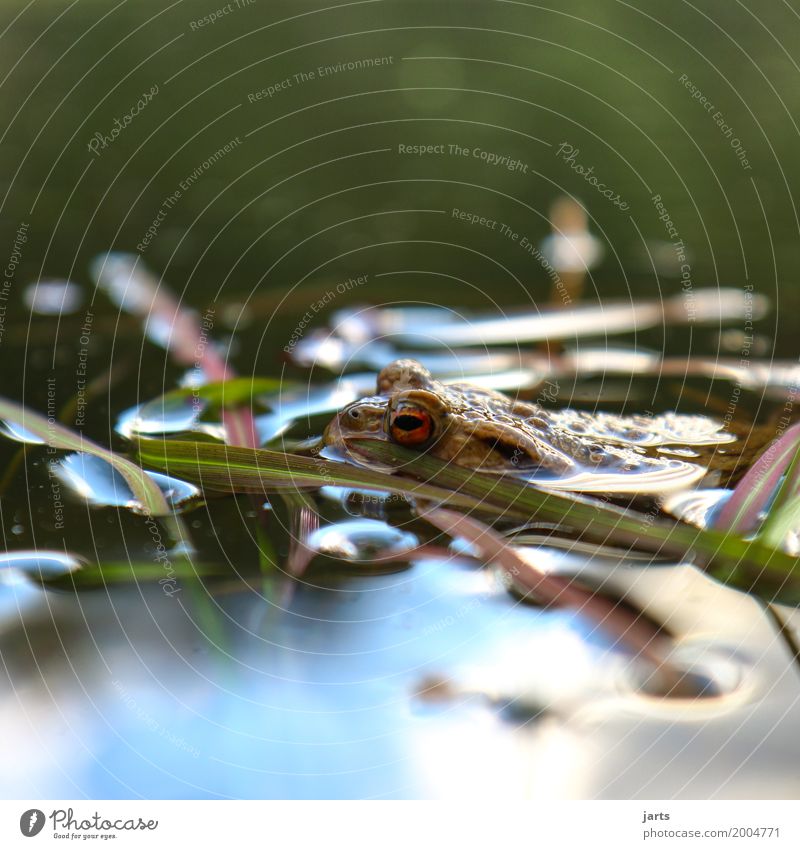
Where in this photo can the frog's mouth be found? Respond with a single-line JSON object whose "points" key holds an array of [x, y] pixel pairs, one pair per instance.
{"points": [[359, 421]]}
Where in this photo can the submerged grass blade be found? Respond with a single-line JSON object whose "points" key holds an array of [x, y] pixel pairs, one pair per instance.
{"points": [[57, 436], [749, 565], [303, 521]]}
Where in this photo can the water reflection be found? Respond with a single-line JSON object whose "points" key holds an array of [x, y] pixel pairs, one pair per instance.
{"points": [[217, 694], [315, 705], [92, 479], [43, 564], [697, 507], [366, 540]]}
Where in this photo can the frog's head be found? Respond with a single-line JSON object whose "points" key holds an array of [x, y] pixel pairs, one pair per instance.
{"points": [[408, 410], [457, 423]]}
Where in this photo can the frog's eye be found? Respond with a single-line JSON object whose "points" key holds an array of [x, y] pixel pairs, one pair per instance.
{"points": [[410, 425]]}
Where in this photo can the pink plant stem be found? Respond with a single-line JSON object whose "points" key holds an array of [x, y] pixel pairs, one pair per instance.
{"points": [[634, 632], [138, 291], [186, 339], [752, 494]]}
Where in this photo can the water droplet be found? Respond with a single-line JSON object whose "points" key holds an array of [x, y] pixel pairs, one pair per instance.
{"points": [[361, 539], [360, 502], [162, 416]]}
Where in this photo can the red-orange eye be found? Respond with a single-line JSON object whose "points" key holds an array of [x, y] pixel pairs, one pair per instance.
{"points": [[410, 425]]}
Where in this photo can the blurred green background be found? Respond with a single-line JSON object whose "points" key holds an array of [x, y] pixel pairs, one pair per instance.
{"points": [[316, 189]]}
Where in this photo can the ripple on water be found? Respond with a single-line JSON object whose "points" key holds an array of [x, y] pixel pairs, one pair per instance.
{"points": [[696, 507], [652, 479]]}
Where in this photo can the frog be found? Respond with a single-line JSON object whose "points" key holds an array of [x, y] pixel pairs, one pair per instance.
{"points": [[485, 430]]}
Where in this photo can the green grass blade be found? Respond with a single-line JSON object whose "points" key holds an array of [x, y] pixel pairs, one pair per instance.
{"points": [[233, 469], [225, 394], [57, 436], [748, 565]]}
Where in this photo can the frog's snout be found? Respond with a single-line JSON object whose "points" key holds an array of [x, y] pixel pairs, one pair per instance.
{"points": [[358, 420]]}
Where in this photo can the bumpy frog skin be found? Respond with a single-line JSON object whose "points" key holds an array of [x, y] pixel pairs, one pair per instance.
{"points": [[482, 429]]}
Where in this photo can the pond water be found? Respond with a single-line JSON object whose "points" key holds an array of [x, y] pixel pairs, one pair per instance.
{"points": [[278, 171]]}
